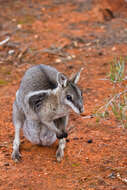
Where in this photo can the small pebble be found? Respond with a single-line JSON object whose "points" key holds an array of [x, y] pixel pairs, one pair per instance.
{"points": [[58, 61], [114, 48], [89, 50], [100, 53], [87, 159], [11, 51], [6, 164], [73, 56], [36, 36], [75, 138], [70, 67], [90, 141], [102, 27], [19, 26], [69, 57], [67, 140], [13, 20], [7, 154], [88, 44], [75, 44], [112, 176]]}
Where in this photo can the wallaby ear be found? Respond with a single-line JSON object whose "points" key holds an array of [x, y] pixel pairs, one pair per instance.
{"points": [[36, 99], [62, 80], [75, 78]]}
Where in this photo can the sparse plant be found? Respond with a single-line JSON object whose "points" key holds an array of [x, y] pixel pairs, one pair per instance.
{"points": [[117, 70], [117, 105]]}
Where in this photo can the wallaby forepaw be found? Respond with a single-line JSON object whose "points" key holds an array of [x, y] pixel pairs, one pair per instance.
{"points": [[59, 155], [16, 156], [62, 135]]}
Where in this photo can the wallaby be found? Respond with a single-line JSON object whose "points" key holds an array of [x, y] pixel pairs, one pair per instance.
{"points": [[42, 107]]}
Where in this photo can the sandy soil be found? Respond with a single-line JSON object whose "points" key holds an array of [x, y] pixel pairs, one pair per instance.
{"points": [[66, 34]]}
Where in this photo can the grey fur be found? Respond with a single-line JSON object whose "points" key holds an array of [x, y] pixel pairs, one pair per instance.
{"points": [[42, 105]]}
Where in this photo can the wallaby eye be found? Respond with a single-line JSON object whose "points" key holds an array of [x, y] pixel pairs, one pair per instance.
{"points": [[69, 98]]}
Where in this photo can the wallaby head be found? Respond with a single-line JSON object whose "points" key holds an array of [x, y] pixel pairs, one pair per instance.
{"points": [[67, 91], [71, 94]]}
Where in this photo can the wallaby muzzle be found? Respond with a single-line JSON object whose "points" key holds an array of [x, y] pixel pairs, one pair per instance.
{"points": [[81, 110]]}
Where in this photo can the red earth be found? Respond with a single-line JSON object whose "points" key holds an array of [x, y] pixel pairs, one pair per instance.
{"points": [[68, 35]]}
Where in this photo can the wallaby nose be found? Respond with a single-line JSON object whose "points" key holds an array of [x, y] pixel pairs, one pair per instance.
{"points": [[81, 109]]}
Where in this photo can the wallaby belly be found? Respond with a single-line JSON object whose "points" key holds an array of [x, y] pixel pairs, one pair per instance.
{"points": [[38, 133]]}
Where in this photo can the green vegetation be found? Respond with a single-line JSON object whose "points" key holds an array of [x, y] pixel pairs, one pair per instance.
{"points": [[117, 70], [75, 164], [3, 82], [27, 19], [117, 104]]}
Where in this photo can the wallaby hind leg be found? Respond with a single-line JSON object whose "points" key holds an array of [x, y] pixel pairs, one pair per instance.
{"points": [[18, 120], [61, 123]]}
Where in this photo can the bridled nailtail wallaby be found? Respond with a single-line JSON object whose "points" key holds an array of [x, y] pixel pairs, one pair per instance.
{"points": [[42, 105]]}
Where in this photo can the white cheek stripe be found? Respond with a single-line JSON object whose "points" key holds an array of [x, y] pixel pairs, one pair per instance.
{"points": [[72, 106]]}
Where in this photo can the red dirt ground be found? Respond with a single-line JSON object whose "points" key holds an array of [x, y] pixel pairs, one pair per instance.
{"points": [[66, 34]]}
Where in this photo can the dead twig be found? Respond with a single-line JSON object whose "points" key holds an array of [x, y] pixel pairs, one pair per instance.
{"points": [[55, 51], [70, 129], [4, 41], [13, 44], [3, 145], [88, 116], [124, 180], [111, 100], [20, 55]]}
